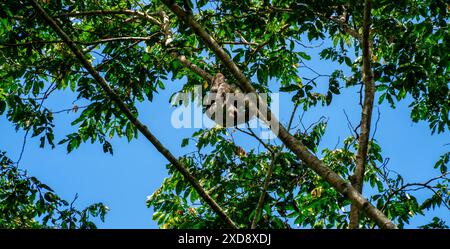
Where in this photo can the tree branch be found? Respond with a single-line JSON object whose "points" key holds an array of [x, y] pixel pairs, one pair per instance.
{"points": [[419, 185], [346, 27], [294, 145], [275, 155], [252, 134], [163, 24], [260, 204], [112, 39], [110, 12], [196, 69], [132, 118], [366, 114]]}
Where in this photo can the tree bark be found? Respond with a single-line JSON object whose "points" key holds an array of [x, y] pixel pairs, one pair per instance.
{"points": [[366, 114]]}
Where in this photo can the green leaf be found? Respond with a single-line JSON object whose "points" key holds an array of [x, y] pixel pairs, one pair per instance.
{"points": [[73, 85], [179, 187], [2, 107], [184, 142], [290, 88], [304, 55], [129, 131], [157, 215], [193, 197], [161, 85]]}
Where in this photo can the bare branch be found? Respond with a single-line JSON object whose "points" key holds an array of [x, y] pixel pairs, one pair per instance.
{"points": [[75, 108], [350, 125], [376, 122]]}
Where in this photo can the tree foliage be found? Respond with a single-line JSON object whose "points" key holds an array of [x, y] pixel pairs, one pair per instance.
{"points": [[25, 202], [136, 47]]}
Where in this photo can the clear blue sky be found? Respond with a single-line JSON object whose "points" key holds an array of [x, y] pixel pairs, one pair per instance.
{"points": [[124, 180]]}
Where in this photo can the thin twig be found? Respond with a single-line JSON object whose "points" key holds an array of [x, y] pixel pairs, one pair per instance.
{"points": [[376, 123], [251, 133]]}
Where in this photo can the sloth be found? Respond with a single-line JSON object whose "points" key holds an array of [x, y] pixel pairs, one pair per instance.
{"points": [[227, 106]]}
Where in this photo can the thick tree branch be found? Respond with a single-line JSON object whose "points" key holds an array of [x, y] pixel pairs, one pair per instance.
{"points": [[294, 145], [366, 114], [127, 112]]}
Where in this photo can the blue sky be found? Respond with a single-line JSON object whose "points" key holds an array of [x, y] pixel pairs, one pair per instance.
{"points": [[124, 180]]}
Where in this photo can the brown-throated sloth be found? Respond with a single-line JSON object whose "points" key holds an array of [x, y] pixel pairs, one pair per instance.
{"points": [[227, 106]]}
